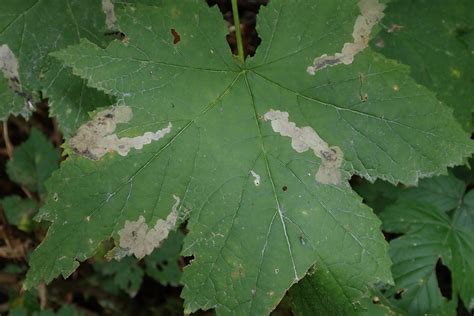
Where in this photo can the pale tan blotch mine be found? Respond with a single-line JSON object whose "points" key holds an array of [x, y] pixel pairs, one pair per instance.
{"points": [[305, 138], [110, 17], [256, 178], [95, 139], [9, 67], [371, 13], [137, 239]]}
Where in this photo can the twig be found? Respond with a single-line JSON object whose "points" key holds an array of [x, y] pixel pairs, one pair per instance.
{"points": [[6, 138], [43, 295]]}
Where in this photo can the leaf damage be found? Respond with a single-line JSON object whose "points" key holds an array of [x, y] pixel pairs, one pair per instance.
{"points": [[256, 178], [371, 14], [9, 67], [94, 139], [305, 138], [110, 17], [136, 239]]}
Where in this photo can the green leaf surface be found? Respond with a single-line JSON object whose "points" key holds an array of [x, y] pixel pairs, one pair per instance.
{"points": [[65, 310], [432, 36], [126, 273], [33, 162], [192, 132], [32, 29], [19, 211], [430, 235], [10, 102], [443, 192], [465, 212], [377, 195], [378, 305]]}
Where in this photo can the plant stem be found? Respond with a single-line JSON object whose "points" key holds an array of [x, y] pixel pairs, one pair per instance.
{"points": [[238, 35], [6, 138]]}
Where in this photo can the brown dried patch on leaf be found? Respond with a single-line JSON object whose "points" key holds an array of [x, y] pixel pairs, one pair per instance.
{"points": [[9, 67], [305, 138], [95, 139], [371, 14], [137, 239]]}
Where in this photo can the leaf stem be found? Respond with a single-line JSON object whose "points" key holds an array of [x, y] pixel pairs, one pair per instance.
{"points": [[238, 34]]}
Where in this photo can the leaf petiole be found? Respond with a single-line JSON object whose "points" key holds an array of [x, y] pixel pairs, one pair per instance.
{"points": [[238, 34]]}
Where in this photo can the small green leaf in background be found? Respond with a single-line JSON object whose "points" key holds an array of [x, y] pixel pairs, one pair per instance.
{"points": [[434, 37], [377, 195], [443, 192], [65, 310], [33, 162], [19, 212], [431, 232], [127, 274], [162, 264]]}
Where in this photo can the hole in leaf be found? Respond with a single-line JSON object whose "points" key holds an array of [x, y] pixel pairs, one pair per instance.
{"points": [[391, 236], [176, 36], [443, 275], [285, 188], [187, 260], [376, 300], [399, 293], [116, 34]]}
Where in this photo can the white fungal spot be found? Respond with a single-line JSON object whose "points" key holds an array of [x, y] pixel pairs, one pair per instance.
{"points": [[305, 138], [110, 18], [371, 13], [9, 67], [137, 239], [256, 178], [95, 139]]}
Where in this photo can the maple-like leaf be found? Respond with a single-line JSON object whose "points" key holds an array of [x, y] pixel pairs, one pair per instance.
{"points": [[258, 155], [431, 234]]}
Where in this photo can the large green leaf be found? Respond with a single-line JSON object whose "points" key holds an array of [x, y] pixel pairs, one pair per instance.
{"points": [[196, 132], [32, 29], [430, 235], [432, 37]]}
